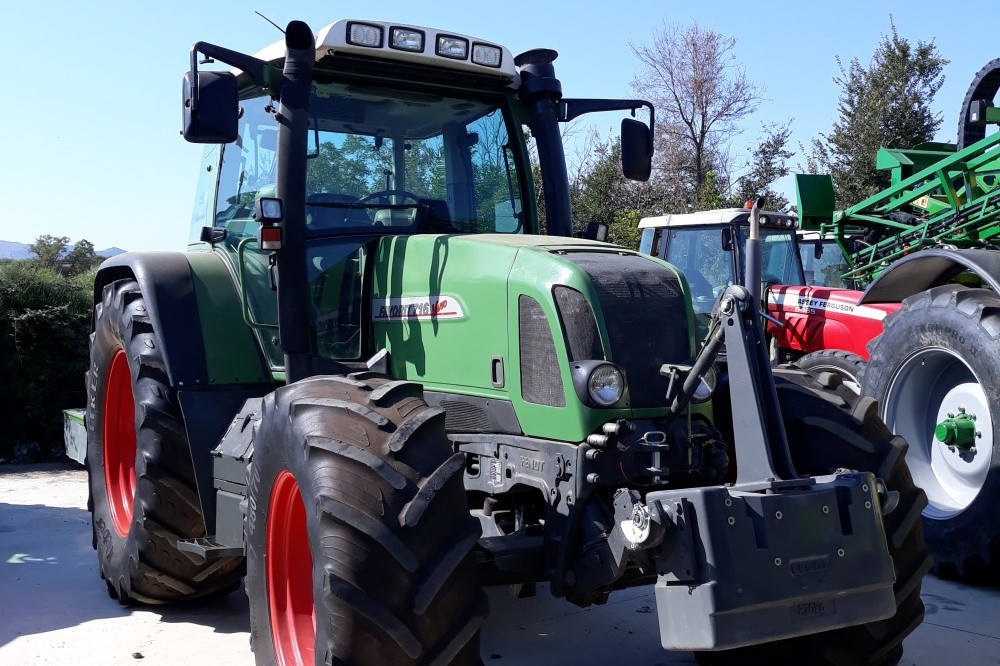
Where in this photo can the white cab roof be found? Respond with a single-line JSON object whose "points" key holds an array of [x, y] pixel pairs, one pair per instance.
{"points": [[707, 217], [333, 39]]}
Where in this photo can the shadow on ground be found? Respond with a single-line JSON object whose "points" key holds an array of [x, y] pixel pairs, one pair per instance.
{"points": [[49, 579]]}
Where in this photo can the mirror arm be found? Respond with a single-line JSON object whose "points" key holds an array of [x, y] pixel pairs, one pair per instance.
{"points": [[574, 108], [262, 73], [680, 397]]}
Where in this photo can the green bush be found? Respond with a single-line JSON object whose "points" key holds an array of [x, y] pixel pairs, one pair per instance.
{"points": [[44, 326]]}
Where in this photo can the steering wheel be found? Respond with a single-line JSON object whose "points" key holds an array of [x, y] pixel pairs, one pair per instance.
{"points": [[385, 194]]}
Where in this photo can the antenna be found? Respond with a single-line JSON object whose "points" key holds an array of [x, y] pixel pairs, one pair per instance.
{"points": [[269, 21]]}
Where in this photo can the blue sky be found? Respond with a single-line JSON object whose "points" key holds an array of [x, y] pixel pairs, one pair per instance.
{"points": [[91, 146]]}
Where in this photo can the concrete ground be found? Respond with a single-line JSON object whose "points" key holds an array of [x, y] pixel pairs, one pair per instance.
{"points": [[54, 608]]}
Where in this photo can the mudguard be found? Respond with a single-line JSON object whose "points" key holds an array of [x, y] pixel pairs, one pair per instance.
{"points": [[194, 307], [930, 268], [213, 360]]}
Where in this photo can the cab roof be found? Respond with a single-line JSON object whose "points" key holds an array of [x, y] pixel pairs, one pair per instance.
{"points": [[336, 38], [718, 217]]}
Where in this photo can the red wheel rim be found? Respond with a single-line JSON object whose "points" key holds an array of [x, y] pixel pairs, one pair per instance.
{"points": [[119, 442], [289, 575]]}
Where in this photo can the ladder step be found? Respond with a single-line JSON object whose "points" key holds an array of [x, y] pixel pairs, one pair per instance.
{"points": [[209, 548]]}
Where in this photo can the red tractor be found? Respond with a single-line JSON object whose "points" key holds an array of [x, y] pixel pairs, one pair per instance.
{"points": [[922, 336], [818, 327]]}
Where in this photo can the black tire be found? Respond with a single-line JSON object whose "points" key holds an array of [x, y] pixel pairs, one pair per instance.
{"points": [[937, 355], [849, 366], [143, 494], [384, 518], [829, 427], [985, 85]]}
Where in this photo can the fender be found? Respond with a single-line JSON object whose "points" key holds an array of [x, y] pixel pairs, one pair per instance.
{"points": [[930, 268], [213, 360], [192, 300]]}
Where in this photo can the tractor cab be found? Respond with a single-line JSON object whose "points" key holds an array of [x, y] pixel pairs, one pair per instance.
{"points": [[709, 248], [391, 132]]}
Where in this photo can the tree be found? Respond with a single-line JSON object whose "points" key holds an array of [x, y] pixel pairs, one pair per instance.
{"points": [[768, 162], [80, 259], [885, 104], [701, 94], [601, 193], [49, 250], [51, 253]]}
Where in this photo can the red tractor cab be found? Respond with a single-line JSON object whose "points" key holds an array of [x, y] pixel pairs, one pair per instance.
{"points": [[812, 318]]}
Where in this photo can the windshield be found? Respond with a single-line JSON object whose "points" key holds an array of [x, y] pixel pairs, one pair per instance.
{"points": [[385, 161], [826, 270], [709, 267]]}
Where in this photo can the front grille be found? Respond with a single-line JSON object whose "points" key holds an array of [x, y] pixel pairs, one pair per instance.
{"points": [[579, 326], [541, 379], [646, 318]]}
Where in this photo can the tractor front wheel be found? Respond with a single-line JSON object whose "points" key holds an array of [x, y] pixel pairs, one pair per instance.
{"points": [[849, 366], [359, 537]]}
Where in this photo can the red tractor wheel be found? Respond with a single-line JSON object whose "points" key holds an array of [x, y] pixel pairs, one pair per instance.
{"points": [[143, 494], [359, 537], [119, 442], [289, 575]]}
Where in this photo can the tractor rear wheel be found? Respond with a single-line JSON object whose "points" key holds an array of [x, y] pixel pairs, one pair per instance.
{"points": [[143, 495], [936, 374], [830, 427], [359, 536]]}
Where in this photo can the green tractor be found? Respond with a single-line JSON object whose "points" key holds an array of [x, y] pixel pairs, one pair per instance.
{"points": [[371, 386]]}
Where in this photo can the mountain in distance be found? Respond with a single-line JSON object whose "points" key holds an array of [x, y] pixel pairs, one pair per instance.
{"points": [[12, 250]]}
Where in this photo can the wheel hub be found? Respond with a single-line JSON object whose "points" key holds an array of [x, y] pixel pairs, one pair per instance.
{"points": [[937, 403], [958, 431]]}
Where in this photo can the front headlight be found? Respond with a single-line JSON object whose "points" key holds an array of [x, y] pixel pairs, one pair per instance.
{"points": [[598, 383], [606, 385]]}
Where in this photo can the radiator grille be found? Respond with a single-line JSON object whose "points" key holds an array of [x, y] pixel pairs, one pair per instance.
{"points": [[646, 318], [577, 317], [541, 379]]}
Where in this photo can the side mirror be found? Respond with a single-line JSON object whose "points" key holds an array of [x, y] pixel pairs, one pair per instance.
{"points": [[597, 231], [818, 249], [727, 239], [637, 150], [211, 108]]}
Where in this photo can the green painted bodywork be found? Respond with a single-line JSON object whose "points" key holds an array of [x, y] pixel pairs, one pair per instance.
{"points": [[480, 276], [946, 198], [486, 275], [231, 351]]}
